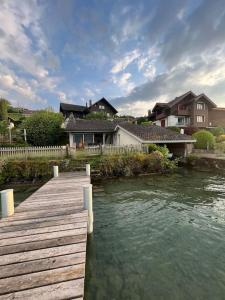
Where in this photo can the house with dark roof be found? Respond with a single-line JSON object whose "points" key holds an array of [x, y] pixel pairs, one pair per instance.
{"points": [[94, 132], [80, 111], [186, 110]]}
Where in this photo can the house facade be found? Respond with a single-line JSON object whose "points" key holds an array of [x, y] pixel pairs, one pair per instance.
{"points": [[94, 132], [80, 111], [188, 110]]}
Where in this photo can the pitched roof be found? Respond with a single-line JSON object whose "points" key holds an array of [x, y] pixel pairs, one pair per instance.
{"points": [[180, 98], [72, 107], [81, 125], [107, 102], [154, 133]]}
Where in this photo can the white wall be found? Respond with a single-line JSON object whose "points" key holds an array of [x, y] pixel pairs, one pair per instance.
{"points": [[122, 138]]}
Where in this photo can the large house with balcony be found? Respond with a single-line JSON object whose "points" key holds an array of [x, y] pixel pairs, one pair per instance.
{"points": [[188, 110], [80, 111]]}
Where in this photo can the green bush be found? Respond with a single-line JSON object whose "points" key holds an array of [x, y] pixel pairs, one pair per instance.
{"points": [[220, 147], [44, 128], [204, 140], [173, 128], [220, 138], [217, 131], [163, 149], [134, 164]]}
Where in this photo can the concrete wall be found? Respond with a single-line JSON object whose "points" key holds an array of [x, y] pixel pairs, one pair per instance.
{"points": [[122, 138]]}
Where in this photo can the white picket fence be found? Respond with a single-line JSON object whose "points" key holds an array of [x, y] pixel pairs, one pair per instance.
{"points": [[112, 149], [26, 152]]}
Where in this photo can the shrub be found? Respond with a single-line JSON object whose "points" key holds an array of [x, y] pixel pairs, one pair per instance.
{"points": [[163, 149], [217, 131], [44, 128], [173, 128], [220, 147], [205, 140], [220, 138], [134, 164]]}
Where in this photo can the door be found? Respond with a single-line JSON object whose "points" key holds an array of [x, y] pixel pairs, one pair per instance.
{"points": [[163, 123]]}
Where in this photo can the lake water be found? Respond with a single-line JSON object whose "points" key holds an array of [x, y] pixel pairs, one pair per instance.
{"points": [[158, 237]]}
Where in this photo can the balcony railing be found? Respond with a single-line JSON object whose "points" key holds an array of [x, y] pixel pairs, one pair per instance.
{"points": [[183, 112]]}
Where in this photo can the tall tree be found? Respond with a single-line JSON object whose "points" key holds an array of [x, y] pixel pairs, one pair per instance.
{"points": [[4, 104]]}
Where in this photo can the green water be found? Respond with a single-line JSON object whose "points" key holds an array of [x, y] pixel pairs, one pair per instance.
{"points": [[159, 237]]}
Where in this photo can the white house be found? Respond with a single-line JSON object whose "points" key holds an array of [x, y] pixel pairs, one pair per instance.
{"points": [[94, 132]]}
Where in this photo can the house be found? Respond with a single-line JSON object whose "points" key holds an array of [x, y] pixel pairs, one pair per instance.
{"points": [[80, 111], [188, 110], [95, 132]]}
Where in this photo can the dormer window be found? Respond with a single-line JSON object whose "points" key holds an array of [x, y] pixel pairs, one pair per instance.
{"points": [[200, 106]]}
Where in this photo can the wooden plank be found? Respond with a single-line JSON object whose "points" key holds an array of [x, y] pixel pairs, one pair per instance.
{"points": [[42, 253], [29, 231], [64, 290], [14, 222], [42, 264], [43, 224], [42, 244], [38, 279]]}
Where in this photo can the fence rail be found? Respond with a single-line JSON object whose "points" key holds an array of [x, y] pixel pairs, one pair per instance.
{"points": [[112, 149], [26, 152]]}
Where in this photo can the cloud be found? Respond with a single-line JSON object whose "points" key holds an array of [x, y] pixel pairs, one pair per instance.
{"points": [[123, 81], [125, 61]]}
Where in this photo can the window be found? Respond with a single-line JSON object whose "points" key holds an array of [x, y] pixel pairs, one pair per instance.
{"points": [[88, 138], [200, 106], [200, 119], [78, 138], [180, 120], [101, 107]]}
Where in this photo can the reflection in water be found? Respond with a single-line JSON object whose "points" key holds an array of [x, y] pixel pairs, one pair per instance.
{"points": [[158, 237]]}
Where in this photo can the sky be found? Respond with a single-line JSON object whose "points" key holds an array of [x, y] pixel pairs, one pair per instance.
{"points": [[133, 53]]}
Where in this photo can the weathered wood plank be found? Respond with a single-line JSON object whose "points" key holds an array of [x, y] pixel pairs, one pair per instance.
{"points": [[32, 280], [42, 244], [42, 264], [59, 291], [62, 221], [9, 222], [29, 231], [42, 253]]}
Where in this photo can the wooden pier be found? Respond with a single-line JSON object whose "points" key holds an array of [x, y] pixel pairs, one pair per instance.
{"points": [[43, 245]]}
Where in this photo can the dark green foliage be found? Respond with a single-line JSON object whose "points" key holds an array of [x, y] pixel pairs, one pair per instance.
{"points": [[134, 164], [96, 116], [3, 127], [44, 128], [141, 120], [162, 149], [109, 165], [205, 140], [4, 109], [217, 131], [173, 128]]}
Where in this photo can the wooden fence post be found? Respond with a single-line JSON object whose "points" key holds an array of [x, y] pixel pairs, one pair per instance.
{"points": [[88, 204], [7, 202]]}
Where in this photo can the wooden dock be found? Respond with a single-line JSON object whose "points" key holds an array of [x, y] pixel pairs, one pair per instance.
{"points": [[43, 245]]}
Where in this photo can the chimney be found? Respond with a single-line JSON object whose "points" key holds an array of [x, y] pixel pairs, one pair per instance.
{"points": [[149, 112], [90, 103], [86, 104]]}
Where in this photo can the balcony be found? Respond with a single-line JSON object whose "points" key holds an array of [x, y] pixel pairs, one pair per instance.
{"points": [[183, 112]]}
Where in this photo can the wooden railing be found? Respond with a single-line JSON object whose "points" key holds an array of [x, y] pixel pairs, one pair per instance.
{"points": [[112, 149], [26, 152]]}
